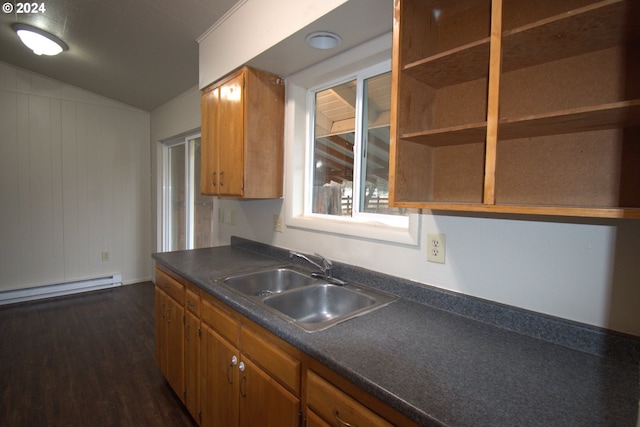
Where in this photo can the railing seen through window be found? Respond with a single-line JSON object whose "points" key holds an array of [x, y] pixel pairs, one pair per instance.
{"points": [[351, 148]]}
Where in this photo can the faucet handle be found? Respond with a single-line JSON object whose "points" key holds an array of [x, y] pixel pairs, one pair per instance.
{"points": [[327, 263]]}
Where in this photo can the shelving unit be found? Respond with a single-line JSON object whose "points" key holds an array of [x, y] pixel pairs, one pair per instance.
{"points": [[517, 107]]}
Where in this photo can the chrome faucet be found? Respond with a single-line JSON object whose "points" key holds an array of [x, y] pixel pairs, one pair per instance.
{"points": [[325, 269]]}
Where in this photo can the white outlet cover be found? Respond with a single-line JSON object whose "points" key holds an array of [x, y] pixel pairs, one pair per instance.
{"points": [[436, 247]]}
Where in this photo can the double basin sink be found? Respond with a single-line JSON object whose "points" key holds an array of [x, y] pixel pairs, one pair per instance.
{"points": [[311, 303]]}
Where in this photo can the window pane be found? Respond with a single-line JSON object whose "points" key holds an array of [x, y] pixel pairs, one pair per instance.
{"points": [[176, 196], [374, 193], [333, 150]]}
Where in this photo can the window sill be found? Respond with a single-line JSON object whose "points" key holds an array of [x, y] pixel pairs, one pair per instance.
{"points": [[368, 230]]}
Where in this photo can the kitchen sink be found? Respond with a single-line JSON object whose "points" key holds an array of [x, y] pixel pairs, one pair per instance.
{"points": [[310, 303], [268, 282], [319, 303]]}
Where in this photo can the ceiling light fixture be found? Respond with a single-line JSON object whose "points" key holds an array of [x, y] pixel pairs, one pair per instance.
{"points": [[323, 40], [39, 41]]}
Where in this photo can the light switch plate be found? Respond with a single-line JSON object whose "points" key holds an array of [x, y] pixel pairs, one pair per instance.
{"points": [[277, 223]]}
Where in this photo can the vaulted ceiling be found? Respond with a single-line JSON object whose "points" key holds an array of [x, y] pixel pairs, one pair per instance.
{"points": [[140, 52], [145, 52]]}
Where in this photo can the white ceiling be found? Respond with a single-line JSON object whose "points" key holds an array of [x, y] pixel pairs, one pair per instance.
{"points": [[144, 52]]}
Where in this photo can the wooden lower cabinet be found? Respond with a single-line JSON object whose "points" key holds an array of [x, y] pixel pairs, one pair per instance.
{"points": [[238, 389], [170, 331], [331, 400], [265, 402], [219, 380], [334, 406], [192, 352]]}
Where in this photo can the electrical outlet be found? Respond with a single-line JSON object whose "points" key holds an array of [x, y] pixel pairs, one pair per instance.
{"points": [[220, 215], [436, 247], [277, 223], [232, 217], [105, 256]]}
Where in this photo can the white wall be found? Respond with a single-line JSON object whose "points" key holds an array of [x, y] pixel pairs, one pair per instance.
{"points": [[75, 179], [253, 27]]}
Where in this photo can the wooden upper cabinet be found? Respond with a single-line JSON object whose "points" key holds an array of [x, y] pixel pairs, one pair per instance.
{"points": [[210, 136], [526, 107], [243, 135]]}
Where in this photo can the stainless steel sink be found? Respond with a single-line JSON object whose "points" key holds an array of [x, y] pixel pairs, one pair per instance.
{"points": [[268, 282], [310, 303]]}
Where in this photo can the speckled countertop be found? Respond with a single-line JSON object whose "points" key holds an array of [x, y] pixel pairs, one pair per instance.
{"points": [[441, 367]]}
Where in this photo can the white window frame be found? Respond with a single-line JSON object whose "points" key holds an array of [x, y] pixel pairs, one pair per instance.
{"points": [[357, 216], [166, 184], [300, 88]]}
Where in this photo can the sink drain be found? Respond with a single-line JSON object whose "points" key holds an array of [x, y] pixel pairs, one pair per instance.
{"points": [[265, 293]]}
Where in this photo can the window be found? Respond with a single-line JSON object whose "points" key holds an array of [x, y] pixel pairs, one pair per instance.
{"points": [[188, 215], [350, 156], [370, 217]]}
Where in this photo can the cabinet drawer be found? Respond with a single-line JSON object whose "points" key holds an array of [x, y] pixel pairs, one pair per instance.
{"points": [[170, 286], [278, 363], [331, 403], [224, 323], [192, 302]]}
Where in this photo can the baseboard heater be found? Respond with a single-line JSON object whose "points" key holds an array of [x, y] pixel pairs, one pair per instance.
{"points": [[69, 288]]}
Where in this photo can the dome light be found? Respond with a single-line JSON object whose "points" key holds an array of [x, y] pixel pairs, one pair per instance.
{"points": [[323, 40], [39, 41]]}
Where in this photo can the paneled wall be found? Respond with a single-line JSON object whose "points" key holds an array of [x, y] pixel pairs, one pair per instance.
{"points": [[74, 183]]}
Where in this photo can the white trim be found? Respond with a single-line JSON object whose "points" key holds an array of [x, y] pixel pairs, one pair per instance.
{"points": [[184, 141], [221, 21], [50, 291]]}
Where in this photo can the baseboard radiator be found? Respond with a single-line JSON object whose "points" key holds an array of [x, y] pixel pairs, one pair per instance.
{"points": [[60, 289]]}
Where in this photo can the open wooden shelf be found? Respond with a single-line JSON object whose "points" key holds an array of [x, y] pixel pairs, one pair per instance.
{"points": [[540, 115], [587, 29], [459, 65], [454, 135], [607, 116]]}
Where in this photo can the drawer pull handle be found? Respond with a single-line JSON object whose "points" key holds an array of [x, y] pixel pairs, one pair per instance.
{"points": [[191, 305], [243, 381], [213, 178], [221, 178], [340, 420]]}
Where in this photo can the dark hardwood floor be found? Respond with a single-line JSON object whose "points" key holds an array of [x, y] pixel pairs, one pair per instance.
{"points": [[84, 360]]}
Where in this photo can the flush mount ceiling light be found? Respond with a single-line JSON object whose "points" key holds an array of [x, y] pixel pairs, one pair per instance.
{"points": [[39, 41], [323, 40]]}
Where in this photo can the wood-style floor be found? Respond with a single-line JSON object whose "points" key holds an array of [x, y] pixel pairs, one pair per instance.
{"points": [[84, 360]]}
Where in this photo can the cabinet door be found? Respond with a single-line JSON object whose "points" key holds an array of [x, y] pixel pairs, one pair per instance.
{"points": [[218, 381], [264, 402], [210, 134], [175, 347], [161, 330], [192, 363], [231, 145]]}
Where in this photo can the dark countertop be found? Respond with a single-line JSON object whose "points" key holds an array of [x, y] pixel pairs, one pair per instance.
{"points": [[436, 367]]}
